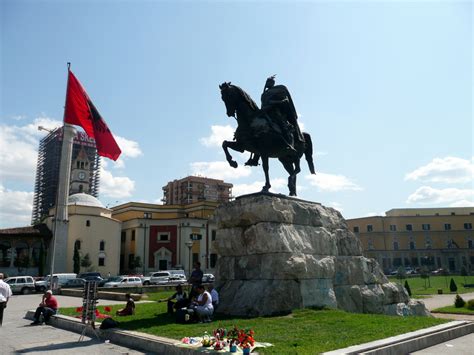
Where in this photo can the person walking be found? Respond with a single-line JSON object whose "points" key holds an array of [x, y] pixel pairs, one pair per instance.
{"points": [[5, 294]]}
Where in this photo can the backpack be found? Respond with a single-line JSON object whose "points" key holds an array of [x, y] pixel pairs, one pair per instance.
{"points": [[108, 323]]}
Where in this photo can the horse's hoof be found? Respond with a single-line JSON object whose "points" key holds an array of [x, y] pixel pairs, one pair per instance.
{"points": [[233, 164]]}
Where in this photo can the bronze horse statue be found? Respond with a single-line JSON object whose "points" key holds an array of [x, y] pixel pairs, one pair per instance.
{"points": [[259, 134]]}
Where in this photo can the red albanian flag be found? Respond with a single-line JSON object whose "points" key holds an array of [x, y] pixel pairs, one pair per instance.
{"points": [[81, 111]]}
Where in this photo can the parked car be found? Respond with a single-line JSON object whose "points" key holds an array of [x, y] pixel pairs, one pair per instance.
{"points": [[165, 276], [21, 284], [123, 281], [146, 279], [208, 278], [60, 279], [90, 276], [74, 283], [440, 271]]}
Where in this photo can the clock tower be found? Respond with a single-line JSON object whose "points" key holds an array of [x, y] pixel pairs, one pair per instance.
{"points": [[80, 174]]}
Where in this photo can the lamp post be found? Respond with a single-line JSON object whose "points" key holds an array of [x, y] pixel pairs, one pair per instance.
{"points": [[189, 244]]}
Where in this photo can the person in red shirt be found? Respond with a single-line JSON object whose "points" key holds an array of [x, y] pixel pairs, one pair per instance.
{"points": [[47, 307]]}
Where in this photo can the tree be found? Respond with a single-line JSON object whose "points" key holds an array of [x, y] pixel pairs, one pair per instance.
{"points": [[459, 302], [407, 287], [425, 274], [76, 260], [452, 286], [86, 261]]}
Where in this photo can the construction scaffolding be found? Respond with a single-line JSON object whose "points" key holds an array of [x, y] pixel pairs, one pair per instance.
{"points": [[47, 170]]}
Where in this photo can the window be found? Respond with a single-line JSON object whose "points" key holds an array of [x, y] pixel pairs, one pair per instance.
{"points": [[447, 226], [147, 215], [88, 223], [428, 243], [213, 235], [425, 227], [409, 227], [101, 261], [123, 237], [195, 236], [393, 228], [370, 243], [81, 188], [370, 228], [395, 245], [163, 237], [412, 245], [133, 235], [77, 244], [356, 229], [449, 243], [102, 245], [470, 244], [213, 260], [467, 225]]}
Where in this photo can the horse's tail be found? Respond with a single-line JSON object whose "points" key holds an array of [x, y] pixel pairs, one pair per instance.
{"points": [[308, 152]]}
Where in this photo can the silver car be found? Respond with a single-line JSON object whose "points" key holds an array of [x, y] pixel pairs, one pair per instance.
{"points": [[21, 284]]}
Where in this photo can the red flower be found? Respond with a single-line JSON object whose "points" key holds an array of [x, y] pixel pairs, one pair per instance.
{"points": [[108, 309], [78, 309]]}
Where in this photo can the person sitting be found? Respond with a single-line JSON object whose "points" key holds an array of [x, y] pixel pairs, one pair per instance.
{"points": [[203, 304], [180, 297], [214, 295], [129, 308], [47, 308]]}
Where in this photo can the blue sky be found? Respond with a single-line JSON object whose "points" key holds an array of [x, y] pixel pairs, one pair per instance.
{"points": [[383, 87]]}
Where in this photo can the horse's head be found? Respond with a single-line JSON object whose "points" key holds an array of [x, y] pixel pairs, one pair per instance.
{"points": [[229, 96], [236, 99]]}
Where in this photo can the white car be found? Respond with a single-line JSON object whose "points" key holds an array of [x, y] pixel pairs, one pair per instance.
{"points": [[123, 281]]}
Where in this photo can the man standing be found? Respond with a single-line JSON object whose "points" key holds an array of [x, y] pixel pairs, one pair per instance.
{"points": [[5, 294], [47, 307], [195, 280]]}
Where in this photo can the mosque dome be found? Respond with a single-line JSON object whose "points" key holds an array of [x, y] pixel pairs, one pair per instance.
{"points": [[82, 199]]}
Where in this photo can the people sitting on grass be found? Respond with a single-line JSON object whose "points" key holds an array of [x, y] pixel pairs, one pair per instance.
{"points": [[129, 308], [47, 308], [178, 300], [203, 305]]}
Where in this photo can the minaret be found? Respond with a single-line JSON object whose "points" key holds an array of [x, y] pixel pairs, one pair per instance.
{"points": [[60, 221]]}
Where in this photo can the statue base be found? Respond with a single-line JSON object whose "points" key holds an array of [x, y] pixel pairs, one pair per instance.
{"points": [[278, 253]]}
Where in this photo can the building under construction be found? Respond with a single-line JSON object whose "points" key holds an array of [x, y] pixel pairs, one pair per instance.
{"points": [[84, 170], [193, 189]]}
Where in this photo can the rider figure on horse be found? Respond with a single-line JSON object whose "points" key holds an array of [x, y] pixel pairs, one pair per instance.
{"points": [[278, 105]]}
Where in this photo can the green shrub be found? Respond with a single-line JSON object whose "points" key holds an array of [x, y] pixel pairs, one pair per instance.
{"points": [[407, 287], [459, 302], [452, 286], [470, 305]]}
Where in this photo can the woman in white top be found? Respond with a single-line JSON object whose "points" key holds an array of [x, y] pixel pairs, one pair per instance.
{"points": [[204, 308]]}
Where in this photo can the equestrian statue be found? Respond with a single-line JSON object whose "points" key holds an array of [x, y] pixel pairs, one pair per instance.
{"points": [[271, 131]]}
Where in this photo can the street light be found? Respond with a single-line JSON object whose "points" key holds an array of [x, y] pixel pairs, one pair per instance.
{"points": [[189, 244]]}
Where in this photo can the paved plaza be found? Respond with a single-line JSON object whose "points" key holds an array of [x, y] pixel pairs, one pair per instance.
{"points": [[18, 337]]}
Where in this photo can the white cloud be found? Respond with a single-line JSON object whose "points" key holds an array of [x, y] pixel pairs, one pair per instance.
{"points": [[130, 149], [449, 196], [278, 186], [218, 135], [331, 182], [115, 186], [15, 207], [449, 170], [219, 170]]}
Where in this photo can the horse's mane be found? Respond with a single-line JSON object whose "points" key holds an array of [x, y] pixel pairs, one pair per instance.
{"points": [[247, 98]]}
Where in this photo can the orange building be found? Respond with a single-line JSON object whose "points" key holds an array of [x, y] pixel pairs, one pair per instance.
{"points": [[194, 189], [435, 237]]}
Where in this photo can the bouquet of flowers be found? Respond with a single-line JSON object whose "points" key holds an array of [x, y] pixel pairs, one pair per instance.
{"points": [[246, 339]]}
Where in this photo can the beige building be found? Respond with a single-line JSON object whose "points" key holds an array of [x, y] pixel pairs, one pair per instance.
{"points": [[435, 237], [166, 236], [193, 189], [92, 228]]}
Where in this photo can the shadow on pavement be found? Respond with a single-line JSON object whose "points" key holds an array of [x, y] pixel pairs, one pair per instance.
{"points": [[50, 347]]}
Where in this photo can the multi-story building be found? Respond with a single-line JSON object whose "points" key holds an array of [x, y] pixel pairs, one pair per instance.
{"points": [[166, 236], [434, 237], [84, 170], [193, 189]]}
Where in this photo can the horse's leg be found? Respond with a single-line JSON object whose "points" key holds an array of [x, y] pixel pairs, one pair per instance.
{"points": [[267, 177], [235, 146], [288, 165]]}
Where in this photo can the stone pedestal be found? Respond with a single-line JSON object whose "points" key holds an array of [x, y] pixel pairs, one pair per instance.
{"points": [[278, 253]]}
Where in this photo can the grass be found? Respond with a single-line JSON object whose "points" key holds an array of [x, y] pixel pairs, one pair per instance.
{"points": [[418, 288], [454, 310], [305, 331]]}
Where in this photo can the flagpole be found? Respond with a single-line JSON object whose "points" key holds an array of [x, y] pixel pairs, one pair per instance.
{"points": [[60, 221]]}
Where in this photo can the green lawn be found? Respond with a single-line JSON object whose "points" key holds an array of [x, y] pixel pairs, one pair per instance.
{"points": [[418, 285], [304, 331], [454, 310]]}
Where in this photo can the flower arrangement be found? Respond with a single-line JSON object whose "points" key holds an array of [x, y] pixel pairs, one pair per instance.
{"points": [[246, 339]]}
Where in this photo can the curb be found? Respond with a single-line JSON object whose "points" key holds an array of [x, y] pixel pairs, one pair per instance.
{"points": [[410, 342], [126, 338]]}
